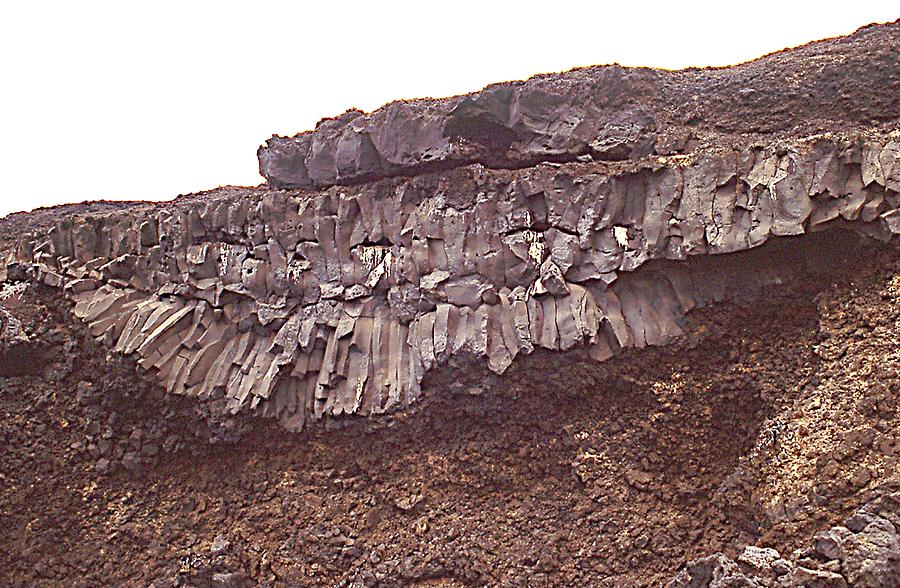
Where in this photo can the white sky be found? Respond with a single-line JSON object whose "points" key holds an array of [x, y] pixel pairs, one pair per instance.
{"points": [[145, 100]]}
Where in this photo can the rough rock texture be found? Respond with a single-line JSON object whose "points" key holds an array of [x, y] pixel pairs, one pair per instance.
{"points": [[773, 418], [863, 552], [302, 305], [340, 302], [606, 113], [632, 318]]}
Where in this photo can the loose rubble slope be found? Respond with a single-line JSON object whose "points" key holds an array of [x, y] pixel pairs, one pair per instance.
{"points": [[769, 421]]}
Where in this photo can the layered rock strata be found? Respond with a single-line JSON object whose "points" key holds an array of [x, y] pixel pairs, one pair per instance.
{"points": [[605, 113], [302, 305], [588, 209]]}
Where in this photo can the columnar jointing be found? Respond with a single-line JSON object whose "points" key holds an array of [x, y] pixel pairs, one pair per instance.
{"points": [[485, 227], [304, 305]]}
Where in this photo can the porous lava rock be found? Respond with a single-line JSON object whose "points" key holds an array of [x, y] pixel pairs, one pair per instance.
{"points": [[863, 552]]}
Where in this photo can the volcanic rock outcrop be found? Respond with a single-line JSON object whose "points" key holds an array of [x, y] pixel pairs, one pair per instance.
{"points": [[863, 552], [606, 113], [589, 209]]}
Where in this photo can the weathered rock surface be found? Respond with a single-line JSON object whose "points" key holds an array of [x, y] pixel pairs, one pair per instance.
{"points": [[300, 305], [606, 113], [864, 552], [752, 429], [765, 187], [340, 302]]}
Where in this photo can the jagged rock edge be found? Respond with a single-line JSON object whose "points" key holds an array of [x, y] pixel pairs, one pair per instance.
{"points": [[300, 306]]}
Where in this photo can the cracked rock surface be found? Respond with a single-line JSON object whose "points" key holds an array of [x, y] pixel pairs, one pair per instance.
{"points": [[298, 306], [302, 305], [605, 113], [773, 418], [575, 330]]}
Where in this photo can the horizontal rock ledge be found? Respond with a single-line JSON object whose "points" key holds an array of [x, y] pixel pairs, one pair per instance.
{"points": [[300, 306], [605, 113]]}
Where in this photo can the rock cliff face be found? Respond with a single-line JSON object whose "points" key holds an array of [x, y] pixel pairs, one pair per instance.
{"points": [[566, 211]]}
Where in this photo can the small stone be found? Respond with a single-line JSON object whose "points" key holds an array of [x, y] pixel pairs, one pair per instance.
{"points": [[760, 559], [429, 282], [407, 503], [859, 521], [131, 460], [552, 279], [219, 545], [639, 479], [229, 580], [102, 465], [105, 446], [16, 272], [860, 477], [781, 567], [330, 290], [808, 577], [355, 292], [170, 443], [828, 545]]}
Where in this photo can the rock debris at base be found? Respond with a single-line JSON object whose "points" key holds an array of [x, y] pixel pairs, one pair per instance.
{"points": [[575, 330], [863, 552]]}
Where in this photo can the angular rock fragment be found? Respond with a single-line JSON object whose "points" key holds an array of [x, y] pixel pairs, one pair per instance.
{"points": [[853, 554]]}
